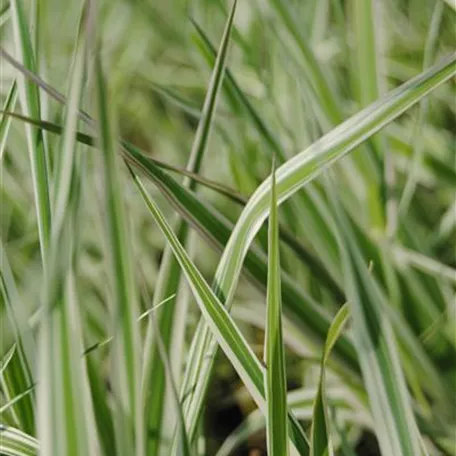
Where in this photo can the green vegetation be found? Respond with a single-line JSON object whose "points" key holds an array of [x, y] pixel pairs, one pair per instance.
{"points": [[227, 227]]}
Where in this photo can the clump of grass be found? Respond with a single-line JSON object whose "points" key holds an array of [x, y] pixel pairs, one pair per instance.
{"points": [[350, 290]]}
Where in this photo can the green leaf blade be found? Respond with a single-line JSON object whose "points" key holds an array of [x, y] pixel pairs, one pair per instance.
{"points": [[30, 102], [320, 443], [169, 275], [125, 347], [275, 376], [67, 422]]}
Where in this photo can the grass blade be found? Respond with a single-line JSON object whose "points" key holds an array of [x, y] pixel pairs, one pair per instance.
{"points": [[320, 441], [17, 398], [368, 87], [274, 353], [125, 347], [30, 102], [66, 421], [169, 275], [237, 98]]}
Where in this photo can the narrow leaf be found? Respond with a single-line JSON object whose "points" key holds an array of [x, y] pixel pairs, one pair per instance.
{"points": [[154, 366], [320, 443], [30, 103], [66, 422], [125, 346], [274, 354]]}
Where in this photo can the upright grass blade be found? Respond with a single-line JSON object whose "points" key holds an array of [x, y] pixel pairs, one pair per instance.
{"points": [[210, 102], [5, 121], [153, 380], [366, 19], [301, 169], [396, 429], [320, 440], [125, 347], [228, 335], [274, 353], [30, 103], [364, 28], [66, 422]]}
